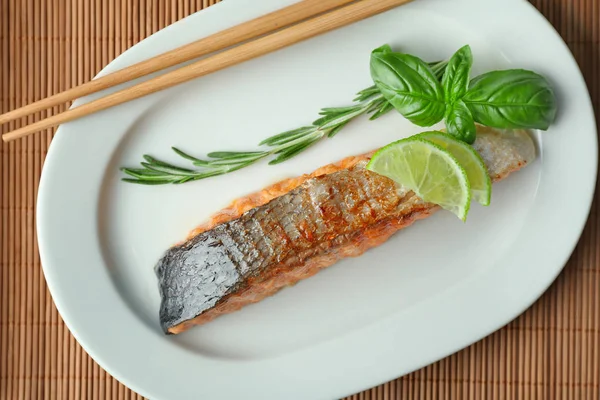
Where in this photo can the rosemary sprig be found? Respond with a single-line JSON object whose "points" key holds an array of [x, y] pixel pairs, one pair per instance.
{"points": [[282, 146]]}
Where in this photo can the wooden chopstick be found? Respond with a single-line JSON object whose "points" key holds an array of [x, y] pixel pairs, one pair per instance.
{"points": [[264, 45], [249, 30], [229, 37]]}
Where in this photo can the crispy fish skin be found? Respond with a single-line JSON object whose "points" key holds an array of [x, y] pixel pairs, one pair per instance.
{"points": [[294, 229]]}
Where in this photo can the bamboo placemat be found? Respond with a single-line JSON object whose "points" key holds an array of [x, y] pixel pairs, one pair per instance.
{"points": [[551, 352]]}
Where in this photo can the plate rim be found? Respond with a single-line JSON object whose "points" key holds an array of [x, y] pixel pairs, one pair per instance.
{"points": [[220, 10]]}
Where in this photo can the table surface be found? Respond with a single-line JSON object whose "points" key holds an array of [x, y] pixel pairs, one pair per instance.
{"points": [[552, 351]]}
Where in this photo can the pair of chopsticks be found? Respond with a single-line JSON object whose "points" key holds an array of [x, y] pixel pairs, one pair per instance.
{"points": [[266, 34]]}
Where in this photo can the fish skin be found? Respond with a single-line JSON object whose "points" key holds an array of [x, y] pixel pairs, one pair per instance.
{"points": [[294, 235]]}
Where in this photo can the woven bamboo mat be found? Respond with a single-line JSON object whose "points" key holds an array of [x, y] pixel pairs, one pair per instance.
{"points": [[551, 352]]}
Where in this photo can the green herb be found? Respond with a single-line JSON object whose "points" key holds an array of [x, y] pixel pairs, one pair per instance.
{"points": [[456, 78], [459, 122], [423, 93], [458, 118], [512, 99], [410, 85], [281, 147]]}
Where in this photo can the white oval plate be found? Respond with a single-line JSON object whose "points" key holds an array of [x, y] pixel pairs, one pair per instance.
{"points": [[428, 292]]}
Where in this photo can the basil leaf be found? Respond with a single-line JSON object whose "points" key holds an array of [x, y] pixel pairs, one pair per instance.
{"points": [[410, 85], [512, 99], [459, 122], [383, 49], [456, 77]]}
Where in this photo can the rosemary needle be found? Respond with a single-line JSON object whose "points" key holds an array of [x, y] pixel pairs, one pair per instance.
{"points": [[280, 147]]}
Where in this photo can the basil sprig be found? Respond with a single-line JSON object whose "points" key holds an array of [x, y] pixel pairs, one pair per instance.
{"points": [[509, 99]]}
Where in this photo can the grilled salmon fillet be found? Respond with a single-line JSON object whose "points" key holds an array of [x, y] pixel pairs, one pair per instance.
{"points": [[293, 229]]}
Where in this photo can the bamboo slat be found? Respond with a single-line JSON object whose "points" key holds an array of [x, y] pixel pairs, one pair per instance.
{"points": [[552, 351]]}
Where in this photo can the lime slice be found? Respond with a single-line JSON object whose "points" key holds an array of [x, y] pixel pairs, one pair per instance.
{"points": [[470, 160], [427, 169]]}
